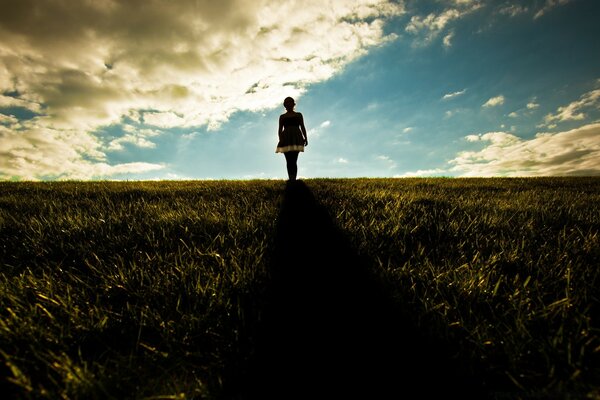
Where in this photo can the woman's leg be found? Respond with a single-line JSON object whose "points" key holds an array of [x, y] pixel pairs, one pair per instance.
{"points": [[291, 158]]}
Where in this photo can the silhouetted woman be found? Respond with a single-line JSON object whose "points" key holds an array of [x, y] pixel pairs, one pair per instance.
{"points": [[292, 137]]}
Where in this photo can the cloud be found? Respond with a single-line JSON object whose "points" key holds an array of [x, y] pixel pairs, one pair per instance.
{"points": [[427, 28], [83, 65], [573, 152], [316, 132], [573, 111], [135, 137], [8, 120], [9, 101], [35, 152], [549, 5], [524, 111], [422, 173], [373, 106], [390, 163], [342, 160], [539, 8], [431, 25], [512, 9], [408, 129], [494, 101], [453, 95], [447, 41], [167, 119]]}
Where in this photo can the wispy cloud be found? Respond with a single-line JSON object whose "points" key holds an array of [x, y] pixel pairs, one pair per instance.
{"points": [[316, 132], [135, 137], [538, 9], [573, 152], [387, 160], [83, 65], [167, 119], [9, 120], [447, 41], [512, 9], [574, 111], [453, 95], [549, 5], [427, 28], [494, 101], [422, 173], [11, 101], [35, 151]]}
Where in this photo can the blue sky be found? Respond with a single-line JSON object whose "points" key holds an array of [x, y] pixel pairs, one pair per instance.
{"points": [[193, 90]]}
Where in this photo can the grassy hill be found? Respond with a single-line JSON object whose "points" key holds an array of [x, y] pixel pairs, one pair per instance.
{"points": [[256, 289]]}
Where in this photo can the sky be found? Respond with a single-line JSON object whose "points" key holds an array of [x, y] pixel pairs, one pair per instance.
{"points": [[168, 90]]}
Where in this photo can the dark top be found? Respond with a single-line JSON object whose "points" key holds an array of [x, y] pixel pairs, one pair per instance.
{"points": [[291, 121]]}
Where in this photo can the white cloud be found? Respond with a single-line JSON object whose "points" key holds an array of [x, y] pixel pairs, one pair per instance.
{"points": [[422, 173], [390, 163], [186, 63], [8, 120], [432, 22], [373, 106], [342, 160], [36, 152], [136, 137], [494, 101], [427, 28], [431, 25], [127, 168], [408, 129], [538, 9], [164, 119], [513, 10], [532, 105], [9, 101], [447, 41], [573, 111], [513, 114], [573, 152], [452, 95], [316, 132], [549, 5]]}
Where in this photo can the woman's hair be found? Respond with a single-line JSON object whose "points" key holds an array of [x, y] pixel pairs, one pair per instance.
{"points": [[289, 102]]}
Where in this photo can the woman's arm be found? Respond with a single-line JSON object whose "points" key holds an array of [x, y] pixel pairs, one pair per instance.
{"points": [[303, 130], [280, 127]]}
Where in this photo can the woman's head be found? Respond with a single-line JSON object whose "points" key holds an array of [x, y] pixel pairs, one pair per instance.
{"points": [[289, 103]]}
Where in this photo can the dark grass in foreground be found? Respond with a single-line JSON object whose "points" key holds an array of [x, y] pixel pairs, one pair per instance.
{"points": [[508, 268], [331, 330], [129, 290], [251, 290]]}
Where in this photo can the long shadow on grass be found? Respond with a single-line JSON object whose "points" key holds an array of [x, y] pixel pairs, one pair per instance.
{"points": [[329, 329]]}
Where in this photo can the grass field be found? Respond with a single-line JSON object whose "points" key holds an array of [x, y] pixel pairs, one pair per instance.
{"points": [[162, 289]]}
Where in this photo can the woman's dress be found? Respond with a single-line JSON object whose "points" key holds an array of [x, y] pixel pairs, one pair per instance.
{"points": [[291, 138]]}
